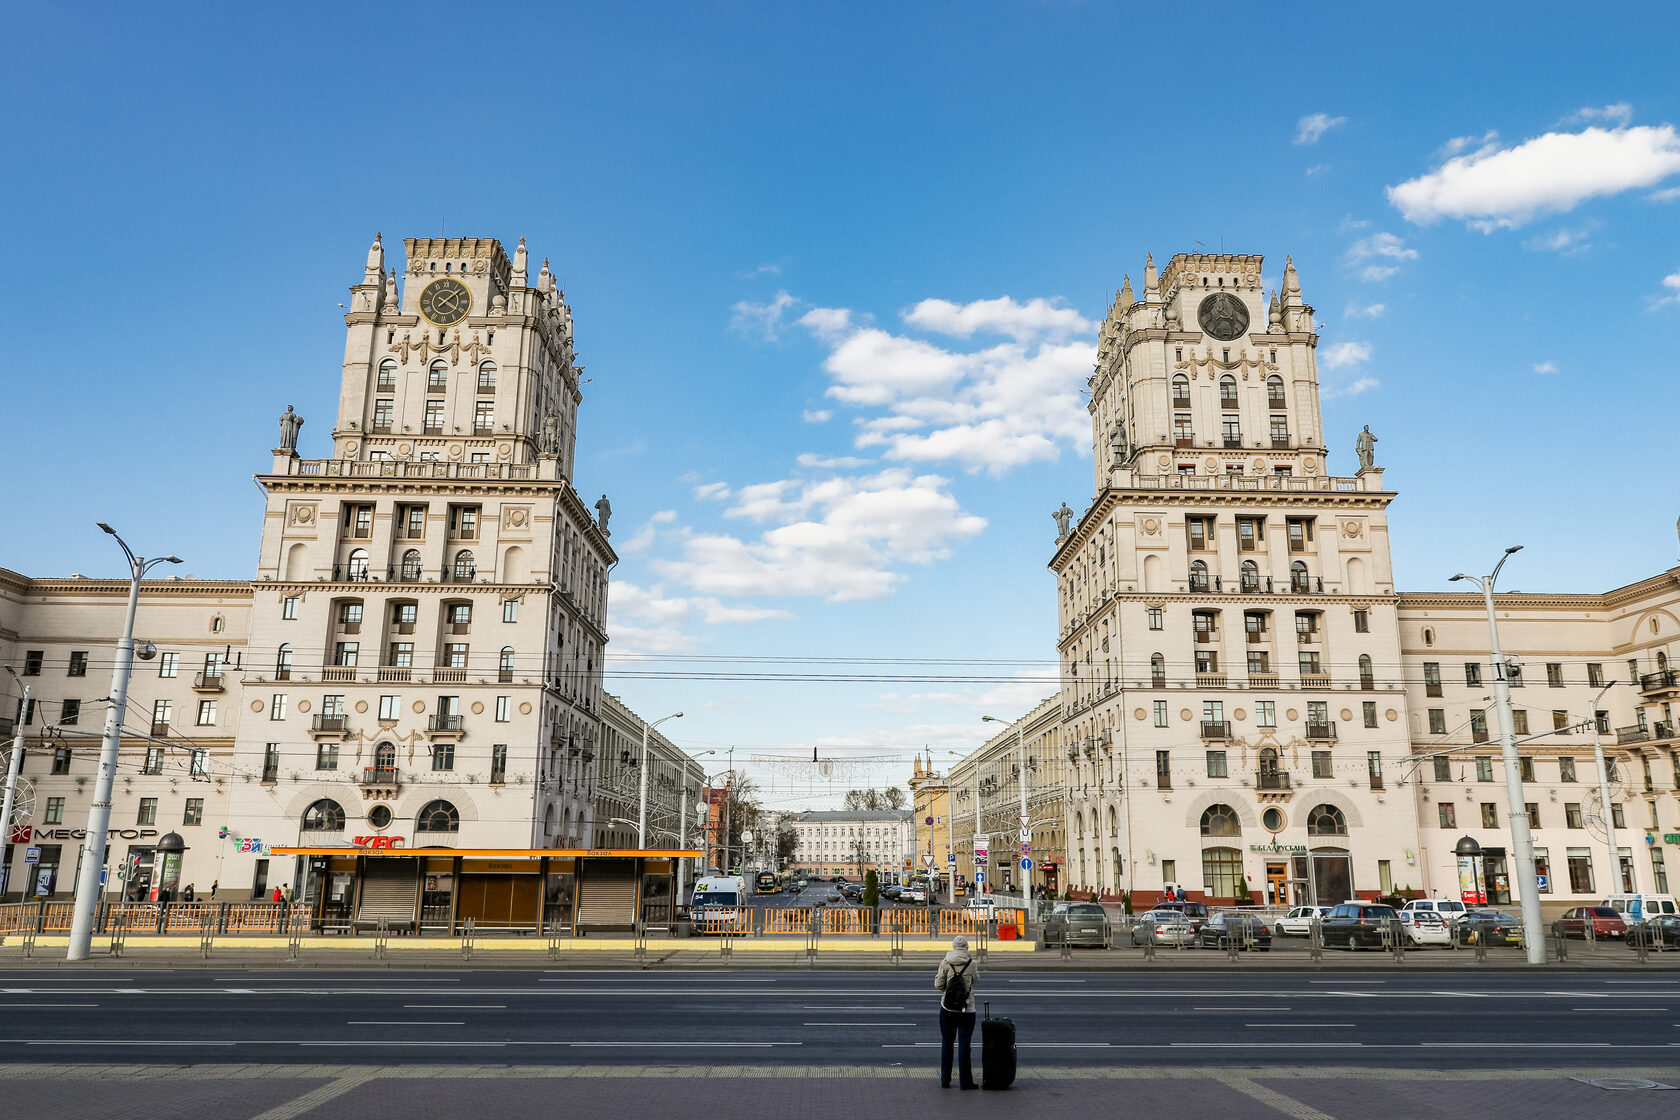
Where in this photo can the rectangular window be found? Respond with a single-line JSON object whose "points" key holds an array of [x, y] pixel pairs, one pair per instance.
{"points": [[1280, 431], [350, 614], [1472, 673], [1519, 721], [1207, 661], [498, 763], [206, 713], [1554, 674], [1580, 871], [1163, 769], [402, 655], [198, 762], [1370, 708], [148, 811], [1250, 532], [61, 760], [1156, 619], [169, 664], [271, 762], [358, 522], [289, 608], [1566, 769], [55, 811], [1160, 713], [154, 761], [277, 706], [1265, 713], [1318, 712], [1447, 815], [1595, 674], [455, 655], [382, 409], [1484, 768], [1533, 813], [326, 756], [1322, 765], [484, 417], [390, 707], [345, 653], [78, 663], [1478, 726], [463, 523], [195, 811], [459, 614], [1659, 870], [1513, 674], [510, 610], [1216, 765], [1437, 721], [1307, 662], [162, 712], [1525, 768], [1490, 815], [443, 756], [503, 704], [1259, 661], [1560, 721], [1373, 768], [434, 417], [1443, 768], [32, 660], [69, 712], [1432, 678], [1361, 622], [1572, 814], [1617, 817]]}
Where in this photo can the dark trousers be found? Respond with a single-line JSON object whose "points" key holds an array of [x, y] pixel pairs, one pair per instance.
{"points": [[958, 1027]]}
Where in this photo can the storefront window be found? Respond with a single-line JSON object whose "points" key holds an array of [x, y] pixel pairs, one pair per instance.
{"points": [[1221, 872]]}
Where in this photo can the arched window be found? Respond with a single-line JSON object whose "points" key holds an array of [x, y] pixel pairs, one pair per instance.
{"points": [[465, 566], [411, 565], [325, 815], [486, 377], [438, 816], [1662, 661], [1222, 872], [388, 374], [1227, 392], [1298, 579], [1113, 822], [385, 756], [1157, 670], [1078, 827], [1274, 392], [504, 664], [1221, 820], [1198, 575], [1326, 820], [1250, 577], [1367, 677], [1269, 768], [438, 376], [283, 663], [1180, 391], [357, 566]]}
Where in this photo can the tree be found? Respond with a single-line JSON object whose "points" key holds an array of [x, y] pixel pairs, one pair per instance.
{"points": [[741, 805], [893, 797], [871, 890], [787, 843]]}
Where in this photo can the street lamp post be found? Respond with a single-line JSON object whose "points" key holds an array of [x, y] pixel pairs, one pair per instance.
{"points": [[11, 783], [682, 818], [641, 813], [1604, 792], [1521, 838], [86, 907], [1021, 750]]}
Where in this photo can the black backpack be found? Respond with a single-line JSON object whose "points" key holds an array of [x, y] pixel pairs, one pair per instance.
{"points": [[956, 988]]}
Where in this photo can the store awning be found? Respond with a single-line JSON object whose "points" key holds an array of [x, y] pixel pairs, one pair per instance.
{"points": [[492, 853]]}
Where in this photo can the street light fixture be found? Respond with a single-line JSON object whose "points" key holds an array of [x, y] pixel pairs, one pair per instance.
{"points": [[641, 815], [1522, 839], [85, 908], [1026, 821], [682, 817]]}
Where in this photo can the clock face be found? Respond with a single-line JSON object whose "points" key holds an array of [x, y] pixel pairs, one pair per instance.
{"points": [[445, 302], [1222, 315]]}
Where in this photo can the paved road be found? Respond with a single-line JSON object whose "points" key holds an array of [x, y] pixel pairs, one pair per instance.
{"points": [[829, 1018]]}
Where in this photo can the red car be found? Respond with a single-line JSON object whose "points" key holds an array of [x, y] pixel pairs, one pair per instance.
{"points": [[1605, 923]]}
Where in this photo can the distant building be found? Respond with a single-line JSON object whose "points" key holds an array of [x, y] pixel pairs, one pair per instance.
{"points": [[851, 842]]}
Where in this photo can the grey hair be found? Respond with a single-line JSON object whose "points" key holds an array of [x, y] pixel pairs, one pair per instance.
{"points": [[960, 943]]}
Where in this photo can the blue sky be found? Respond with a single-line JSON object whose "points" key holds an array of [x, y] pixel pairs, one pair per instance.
{"points": [[833, 269]]}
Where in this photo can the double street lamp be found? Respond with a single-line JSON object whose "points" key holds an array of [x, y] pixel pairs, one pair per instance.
{"points": [[641, 814], [1521, 838], [1021, 749], [85, 908]]}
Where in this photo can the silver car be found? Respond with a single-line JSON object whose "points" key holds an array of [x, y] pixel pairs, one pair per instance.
{"points": [[1163, 927]]}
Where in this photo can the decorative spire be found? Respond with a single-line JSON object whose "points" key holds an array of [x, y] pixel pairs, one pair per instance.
{"points": [[1151, 279], [391, 300], [1291, 281], [1126, 298], [545, 278], [375, 261], [1274, 313], [519, 275]]}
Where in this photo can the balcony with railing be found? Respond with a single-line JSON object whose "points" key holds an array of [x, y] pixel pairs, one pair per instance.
{"points": [[1248, 482], [1478, 735], [1271, 779], [1216, 729], [1262, 680], [1321, 730], [1315, 680], [449, 676], [382, 777], [1634, 734], [328, 727], [391, 674], [207, 682], [1664, 680], [338, 674], [1662, 730], [418, 468], [1210, 680], [444, 725]]}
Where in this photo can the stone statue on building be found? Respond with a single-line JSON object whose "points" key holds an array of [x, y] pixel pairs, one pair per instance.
{"points": [[1117, 441], [1366, 445], [603, 513], [290, 422], [548, 435], [1062, 516]]}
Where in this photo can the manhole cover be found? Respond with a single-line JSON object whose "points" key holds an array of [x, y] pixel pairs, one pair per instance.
{"points": [[1621, 1083]]}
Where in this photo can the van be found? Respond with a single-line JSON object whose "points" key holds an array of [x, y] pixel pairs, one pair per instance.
{"points": [[1636, 908], [717, 903], [1450, 909]]}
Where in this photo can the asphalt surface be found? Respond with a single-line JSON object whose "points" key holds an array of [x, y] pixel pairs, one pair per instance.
{"points": [[860, 1019]]}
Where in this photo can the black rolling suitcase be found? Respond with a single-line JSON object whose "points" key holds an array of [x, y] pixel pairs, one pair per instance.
{"points": [[997, 1051]]}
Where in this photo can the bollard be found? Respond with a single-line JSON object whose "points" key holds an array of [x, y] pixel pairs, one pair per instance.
{"points": [[119, 929], [1589, 932], [29, 941], [381, 937], [639, 931], [1315, 939], [1232, 941], [554, 941], [1481, 945], [206, 934], [1399, 939], [1149, 946], [1636, 935], [468, 932], [294, 942], [897, 938], [1561, 944], [813, 936]]}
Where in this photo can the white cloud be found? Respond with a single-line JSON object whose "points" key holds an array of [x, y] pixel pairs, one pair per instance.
{"points": [[1667, 194], [832, 463], [657, 618], [1672, 283], [837, 538], [1318, 169], [1369, 311], [1347, 354], [1376, 273], [712, 491], [1564, 239], [1351, 389], [1311, 127], [1545, 367], [1493, 187], [761, 320], [1381, 245], [1621, 113], [1349, 223], [1020, 321], [817, 415], [650, 529], [630, 643]]}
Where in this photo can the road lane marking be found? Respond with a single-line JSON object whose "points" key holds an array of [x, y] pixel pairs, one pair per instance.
{"points": [[1345, 982], [455, 1006], [1613, 1010], [1642, 981], [860, 1024], [1037, 981], [1266, 1095], [9, 1006], [827, 1007], [1292, 1025], [1240, 1009], [402, 1023]]}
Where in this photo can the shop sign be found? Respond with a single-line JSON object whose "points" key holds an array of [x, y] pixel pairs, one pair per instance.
{"points": [[379, 842], [1277, 847], [81, 833], [21, 833], [1668, 838]]}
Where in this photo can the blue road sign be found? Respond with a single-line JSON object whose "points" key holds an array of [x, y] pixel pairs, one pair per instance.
{"points": [[951, 858], [1026, 865]]}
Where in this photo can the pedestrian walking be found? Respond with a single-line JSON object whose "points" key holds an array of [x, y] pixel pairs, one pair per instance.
{"points": [[187, 895], [214, 883], [288, 895], [955, 982], [277, 895]]}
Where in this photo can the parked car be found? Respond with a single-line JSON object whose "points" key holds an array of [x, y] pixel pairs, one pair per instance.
{"points": [[1663, 930], [1425, 927], [1490, 927], [1449, 908], [1197, 912], [1298, 922], [1077, 923], [890, 892], [1636, 908], [1163, 927], [1606, 922], [983, 902], [1245, 929], [912, 894], [1357, 925], [838, 879]]}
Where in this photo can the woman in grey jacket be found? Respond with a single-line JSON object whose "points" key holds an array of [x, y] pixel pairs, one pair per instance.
{"points": [[955, 982]]}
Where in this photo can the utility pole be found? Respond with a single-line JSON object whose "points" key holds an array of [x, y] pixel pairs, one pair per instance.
{"points": [[1604, 793], [641, 815], [11, 781], [86, 906], [1522, 839]]}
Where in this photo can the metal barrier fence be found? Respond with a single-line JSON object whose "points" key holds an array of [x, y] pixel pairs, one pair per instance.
{"points": [[156, 917]]}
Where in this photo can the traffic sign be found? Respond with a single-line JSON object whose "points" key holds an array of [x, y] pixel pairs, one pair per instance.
{"points": [[928, 859], [929, 820], [32, 855], [1026, 849], [1026, 834], [1026, 865], [979, 876], [951, 858], [1024, 819]]}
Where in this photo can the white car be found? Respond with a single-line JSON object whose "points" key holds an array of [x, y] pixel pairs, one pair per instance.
{"points": [[1298, 922], [1450, 909], [1425, 927]]}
